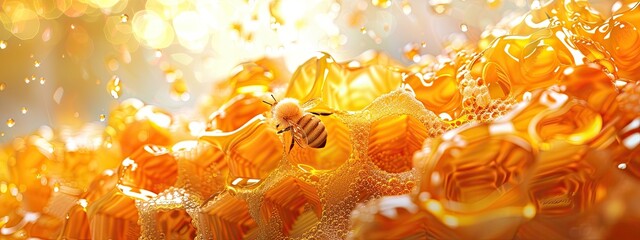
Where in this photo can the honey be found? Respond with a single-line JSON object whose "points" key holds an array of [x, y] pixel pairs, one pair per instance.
{"points": [[532, 132]]}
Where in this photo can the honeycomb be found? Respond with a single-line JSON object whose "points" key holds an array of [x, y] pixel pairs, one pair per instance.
{"points": [[530, 135]]}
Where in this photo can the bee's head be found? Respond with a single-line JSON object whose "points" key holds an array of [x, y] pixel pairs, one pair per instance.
{"points": [[285, 111]]}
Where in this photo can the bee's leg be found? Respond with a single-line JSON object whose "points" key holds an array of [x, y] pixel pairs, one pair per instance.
{"points": [[291, 146], [321, 113], [284, 130]]}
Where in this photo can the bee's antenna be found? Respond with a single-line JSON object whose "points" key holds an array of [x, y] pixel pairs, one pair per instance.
{"points": [[268, 103], [274, 99]]}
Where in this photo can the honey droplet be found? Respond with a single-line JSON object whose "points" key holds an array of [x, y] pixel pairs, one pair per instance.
{"points": [[381, 3], [363, 30], [11, 122], [114, 88], [423, 44], [3, 44], [73, 27], [56, 187], [464, 27], [36, 63], [158, 53], [179, 90], [494, 3], [102, 117], [2, 86], [23, 110], [406, 7], [412, 52], [42, 80], [124, 18], [440, 7], [27, 80]]}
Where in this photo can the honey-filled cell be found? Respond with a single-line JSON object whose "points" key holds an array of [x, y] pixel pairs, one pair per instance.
{"points": [[236, 112], [478, 164], [393, 140], [339, 85], [439, 92], [230, 218], [147, 172], [336, 151], [295, 204]]}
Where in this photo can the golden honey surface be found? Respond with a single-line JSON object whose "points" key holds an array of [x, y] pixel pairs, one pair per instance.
{"points": [[529, 134]]}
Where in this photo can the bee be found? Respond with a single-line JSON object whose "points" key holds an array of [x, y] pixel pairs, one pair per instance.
{"points": [[306, 128]]}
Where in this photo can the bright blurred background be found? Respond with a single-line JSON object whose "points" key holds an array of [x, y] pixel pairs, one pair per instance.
{"points": [[64, 63]]}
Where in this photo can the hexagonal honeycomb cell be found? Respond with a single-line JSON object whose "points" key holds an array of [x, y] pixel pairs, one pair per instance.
{"points": [[294, 204], [230, 218]]}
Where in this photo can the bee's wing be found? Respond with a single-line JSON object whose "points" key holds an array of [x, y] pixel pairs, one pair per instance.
{"points": [[311, 103], [299, 135]]}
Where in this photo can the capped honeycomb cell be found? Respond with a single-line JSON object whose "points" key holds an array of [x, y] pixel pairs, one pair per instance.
{"points": [[295, 203], [150, 126], [229, 218], [393, 140]]}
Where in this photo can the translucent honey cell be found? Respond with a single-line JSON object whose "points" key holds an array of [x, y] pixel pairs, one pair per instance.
{"points": [[202, 168], [454, 170], [322, 77], [396, 217], [513, 65], [113, 211], [295, 203], [147, 172], [337, 150], [438, 92], [230, 218], [236, 112], [391, 148], [591, 84], [619, 35]]}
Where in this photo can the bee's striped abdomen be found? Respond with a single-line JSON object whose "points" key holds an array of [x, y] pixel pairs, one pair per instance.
{"points": [[314, 129]]}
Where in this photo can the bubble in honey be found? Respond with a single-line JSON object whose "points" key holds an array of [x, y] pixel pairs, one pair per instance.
{"points": [[11, 122], [412, 52], [102, 117], [23, 110], [113, 87], [2, 86], [124, 18], [464, 27], [73, 27], [42, 80], [3, 44], [36, 63], [622, 166], [440, 7], [381, 3]]}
